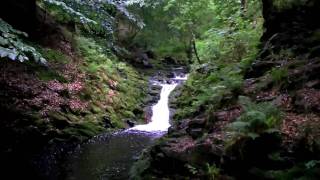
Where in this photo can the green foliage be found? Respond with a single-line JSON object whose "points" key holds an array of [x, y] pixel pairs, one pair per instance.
{"points": [[60, 8], [302, 171], [206, 91], [256, 119], [118, 81], [286, 4], [13, 47], [193, 170], [212, 172], [222, 30], [279, 74], [54, 56], [96, 16]]}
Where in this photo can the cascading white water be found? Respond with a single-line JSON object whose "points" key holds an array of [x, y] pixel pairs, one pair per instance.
{"points": [[110, 156], [160, 120]]}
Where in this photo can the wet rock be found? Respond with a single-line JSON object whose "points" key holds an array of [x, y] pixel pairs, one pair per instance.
{"points": [[107, 122], [170, 75], [151, 99], [59, 120], [195, 133], [150, 54], [147, 64], [130, 122], [138, 111], [156, 88], [169, 60], [197, 123], [154, 94], [148, 114]]}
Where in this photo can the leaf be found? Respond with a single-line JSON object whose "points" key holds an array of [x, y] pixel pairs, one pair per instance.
{"points": [[3, 41], [14, 48], [21, 58], [4, 52], [239, 126], [253, 136], [13, 55], [311, 164]]}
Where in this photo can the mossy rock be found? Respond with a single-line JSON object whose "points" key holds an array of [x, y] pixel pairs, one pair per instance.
{"points": [[129, 114], [73, 118], [85, 129], [59, 120], [95, 109], [55, 56]]}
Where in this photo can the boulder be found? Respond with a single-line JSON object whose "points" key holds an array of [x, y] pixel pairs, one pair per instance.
{"points": [[130, 122], [107, 122]]}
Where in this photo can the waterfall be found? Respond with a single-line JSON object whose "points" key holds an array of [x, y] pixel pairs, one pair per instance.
{"points": [[160, 120]]}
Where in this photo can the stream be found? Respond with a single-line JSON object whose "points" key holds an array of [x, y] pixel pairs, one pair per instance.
{"points": [[110, 156]]}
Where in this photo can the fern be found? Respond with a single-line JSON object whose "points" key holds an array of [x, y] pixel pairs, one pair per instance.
{"points": [[256, 119], [12, 46]]}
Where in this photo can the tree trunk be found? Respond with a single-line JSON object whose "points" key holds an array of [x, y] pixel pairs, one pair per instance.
{"points": [[195, 51], [194, 46], [189, 51], [243, 7]]}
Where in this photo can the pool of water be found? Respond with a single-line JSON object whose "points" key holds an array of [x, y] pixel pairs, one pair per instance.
{"points": [[110, 156]]}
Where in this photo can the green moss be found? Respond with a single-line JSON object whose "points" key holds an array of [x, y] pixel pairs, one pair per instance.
{"points": [[49, 74], [72, 117], [54, 56], [84, 129], [128, 114], [205, 92], [58, 116], [45, 73], [95, 109], [128, 85]]}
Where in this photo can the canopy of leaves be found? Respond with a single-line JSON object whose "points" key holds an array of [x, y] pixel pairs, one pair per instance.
{"points": [[219, 28], [14, 48], [99, 16]]}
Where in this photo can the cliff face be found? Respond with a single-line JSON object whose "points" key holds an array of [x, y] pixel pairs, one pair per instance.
{"points": [[284, 75], [293, 23], [80, 92], [291, 28]]}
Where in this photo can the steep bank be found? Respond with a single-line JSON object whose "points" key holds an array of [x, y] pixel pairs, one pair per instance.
{"points": [[262, 127], [81, 91]]}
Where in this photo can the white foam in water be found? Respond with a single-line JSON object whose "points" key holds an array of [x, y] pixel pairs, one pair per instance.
{"points": [[182, 78], [160, 120]]}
